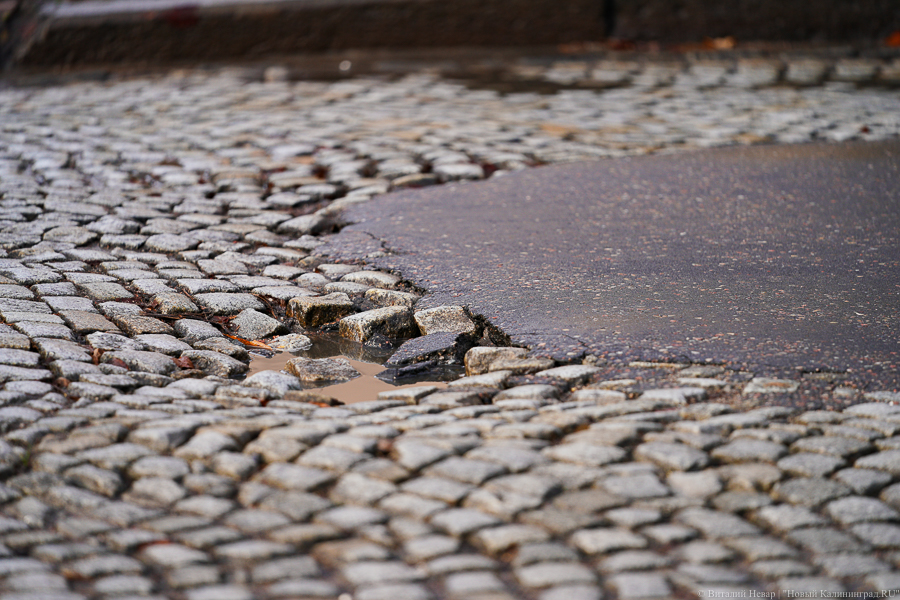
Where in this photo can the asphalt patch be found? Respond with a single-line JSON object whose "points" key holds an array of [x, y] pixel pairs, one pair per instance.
{"points": [[764, 258]]}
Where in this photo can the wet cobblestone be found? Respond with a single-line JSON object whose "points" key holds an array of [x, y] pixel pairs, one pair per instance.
{"points": [[143, 220]]}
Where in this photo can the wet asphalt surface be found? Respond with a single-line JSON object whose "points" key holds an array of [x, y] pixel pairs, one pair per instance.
{"points": [[771, 258]]}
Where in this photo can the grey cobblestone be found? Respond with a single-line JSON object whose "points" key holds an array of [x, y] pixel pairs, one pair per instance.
{"points": [[257, 494], [808, 491], [672, 456], [785, 517], [832, 445], [604, 540], [640, 585], [878, 535], [825, 541], [807, 464]]}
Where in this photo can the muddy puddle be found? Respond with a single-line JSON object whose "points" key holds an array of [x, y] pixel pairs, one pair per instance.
{"points": [[369, 362]]}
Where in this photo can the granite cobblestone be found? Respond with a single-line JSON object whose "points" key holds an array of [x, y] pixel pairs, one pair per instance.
{"points": [[144, 219]]}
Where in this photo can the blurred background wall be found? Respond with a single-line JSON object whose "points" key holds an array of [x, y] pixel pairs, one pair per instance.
{"points": [[105, 31]]}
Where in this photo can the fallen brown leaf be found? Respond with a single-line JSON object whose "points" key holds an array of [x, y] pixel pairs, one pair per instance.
{"points": [[183, 363], [254, 343], [721, 43]]}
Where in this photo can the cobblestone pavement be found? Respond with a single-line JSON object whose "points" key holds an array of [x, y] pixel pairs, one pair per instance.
{"points": [[144, 219]]}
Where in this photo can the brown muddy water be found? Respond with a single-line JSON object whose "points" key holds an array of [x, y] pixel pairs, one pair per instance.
{"points": [[369, 362]]}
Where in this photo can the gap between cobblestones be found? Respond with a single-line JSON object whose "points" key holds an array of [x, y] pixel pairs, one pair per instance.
{"points": [[368, 385]]}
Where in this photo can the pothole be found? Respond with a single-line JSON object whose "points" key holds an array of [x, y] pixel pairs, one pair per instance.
{"points": [[374, 377]]}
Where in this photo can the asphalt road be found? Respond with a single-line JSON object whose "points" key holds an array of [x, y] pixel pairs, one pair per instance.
{"points": [[767, 258]]}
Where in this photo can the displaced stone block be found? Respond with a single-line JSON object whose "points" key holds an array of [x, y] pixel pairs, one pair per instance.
{"points": [[390, 322], [314, 311], [442, 348], [391, 298], [322, 369], [292, 342], [452, 319]]}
